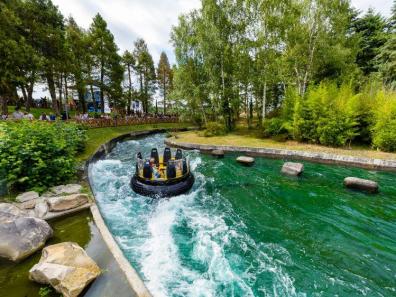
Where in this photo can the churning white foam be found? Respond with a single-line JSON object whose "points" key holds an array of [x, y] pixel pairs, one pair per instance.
{"points": [[146, 231]]}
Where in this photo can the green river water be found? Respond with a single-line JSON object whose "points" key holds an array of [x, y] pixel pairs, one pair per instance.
{"points": [[252, 231]]}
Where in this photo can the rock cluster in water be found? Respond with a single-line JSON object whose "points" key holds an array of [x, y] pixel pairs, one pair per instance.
{"points": [[23, 229], [66, 267]]}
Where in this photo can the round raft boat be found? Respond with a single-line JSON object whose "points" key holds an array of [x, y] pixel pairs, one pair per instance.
{"points": [[164, 176]]}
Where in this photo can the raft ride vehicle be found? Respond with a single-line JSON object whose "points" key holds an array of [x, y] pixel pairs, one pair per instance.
{"points": [[164, 176]]}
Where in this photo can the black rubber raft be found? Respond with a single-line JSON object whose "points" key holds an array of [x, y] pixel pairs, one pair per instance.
{"points": [[162, 189]]}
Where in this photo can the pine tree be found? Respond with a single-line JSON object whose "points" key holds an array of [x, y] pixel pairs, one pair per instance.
{"points": [[106, 61], [129, 63], [371, 30], [77, 46], [145, 71], [165, 77]]}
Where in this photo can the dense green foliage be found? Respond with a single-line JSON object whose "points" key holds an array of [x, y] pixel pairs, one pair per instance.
{"points": [[38, 45], [384, 129], [300, 67], [336, 116], [214, 129], [37, 155]]}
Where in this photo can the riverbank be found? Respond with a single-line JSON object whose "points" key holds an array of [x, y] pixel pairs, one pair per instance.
{"points": [[250, 144], [99, 136]]}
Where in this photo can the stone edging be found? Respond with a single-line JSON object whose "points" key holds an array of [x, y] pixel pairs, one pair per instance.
{"points": [[134, 280], [326, 158], [131, 275], [57, 215]]}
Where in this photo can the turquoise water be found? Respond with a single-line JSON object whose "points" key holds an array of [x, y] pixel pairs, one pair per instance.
{"points": [[251, 231]]}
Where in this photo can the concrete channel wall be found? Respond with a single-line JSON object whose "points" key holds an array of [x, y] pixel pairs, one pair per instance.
{"points": [[367, 163], [136, 283]]}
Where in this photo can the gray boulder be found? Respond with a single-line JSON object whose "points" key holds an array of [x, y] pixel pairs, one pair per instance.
{"points": [[218, 153], [66, 267], [361, 184], [247, 161], [27, 196], [292, 169], [30, 204], [21, 236], [41, 208], [11, 209], [63, 203], [65, 190]]}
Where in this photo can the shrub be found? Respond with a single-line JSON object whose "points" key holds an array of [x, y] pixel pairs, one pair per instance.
{"points": [[384, 129], [328, 115], [214, 129], [277, 128], [37, 155]]}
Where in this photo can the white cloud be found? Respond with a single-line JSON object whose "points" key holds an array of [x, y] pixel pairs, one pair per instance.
{"points": [[128, 20], [381, 6], [152, 20]]}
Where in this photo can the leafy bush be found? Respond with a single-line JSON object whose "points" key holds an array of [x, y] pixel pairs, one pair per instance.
{"points": [[384, 129], [327, 115], [277, 128], [214, 129], [37, 155]]}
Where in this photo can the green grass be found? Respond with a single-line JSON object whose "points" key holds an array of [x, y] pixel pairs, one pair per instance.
{"points": [[250, 138], [98, 136]]}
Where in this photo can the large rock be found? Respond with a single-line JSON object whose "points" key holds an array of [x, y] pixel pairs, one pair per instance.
{"points": [[41, 208], [30, 204], [218, 153], [21, 236], [247, 161], [361, 184], [66, 267], [65, 190], [67, 202], [11, 209], [27, 196], [293, 169]]}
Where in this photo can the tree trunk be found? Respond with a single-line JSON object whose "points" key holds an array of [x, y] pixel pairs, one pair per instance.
{"points": [[164, 87], [264, 103], [66, 97], [130, 91], [51, 88], [29, 96], [60, 91], [93, 98], [246, 104], [25, 99], [101, 89], [141, 92], [4, 104], [81, 99]]}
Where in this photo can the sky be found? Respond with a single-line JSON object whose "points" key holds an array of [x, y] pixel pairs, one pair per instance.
{"points": [[152, 20]]}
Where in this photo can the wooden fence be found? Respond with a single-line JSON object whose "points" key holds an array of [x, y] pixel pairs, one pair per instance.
{"points": [[101, 123]]}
